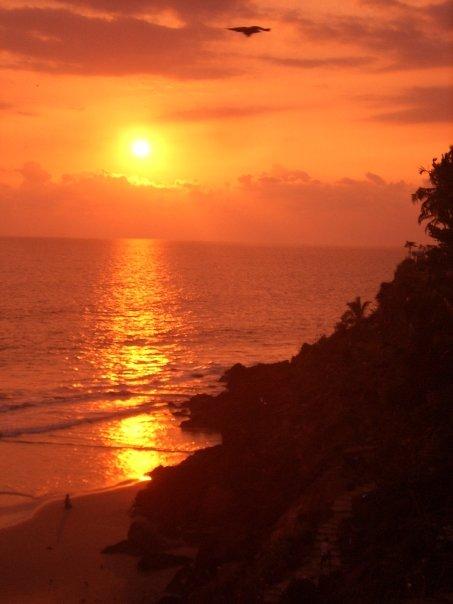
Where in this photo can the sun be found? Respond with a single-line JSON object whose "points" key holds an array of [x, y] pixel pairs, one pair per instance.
{"points": [[141, 148]]}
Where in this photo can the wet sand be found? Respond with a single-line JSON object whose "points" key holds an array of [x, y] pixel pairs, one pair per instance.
{"points": [[55, 556]]}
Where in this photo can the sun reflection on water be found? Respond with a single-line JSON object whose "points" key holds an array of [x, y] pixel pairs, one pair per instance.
{"points": [[132, 356], [135, 293], [135, 431]]}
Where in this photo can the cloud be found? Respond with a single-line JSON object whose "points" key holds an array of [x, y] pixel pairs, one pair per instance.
{"points": [[346, 212], [383, 3], [402, 36], [15, 110], [188, 9], [312, 63], [33, 174], [279, 206], [177, 38], [416, 105], [441, 14], [91, 205], [61, 41], [375, 178], [219, 113]]}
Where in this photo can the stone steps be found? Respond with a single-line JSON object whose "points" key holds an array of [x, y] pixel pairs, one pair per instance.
{"points": [[326, 555]]}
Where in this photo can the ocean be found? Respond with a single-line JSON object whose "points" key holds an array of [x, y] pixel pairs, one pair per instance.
{"points": [[98, 338]]}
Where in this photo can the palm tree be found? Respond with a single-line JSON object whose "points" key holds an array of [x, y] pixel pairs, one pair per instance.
{"points": [[437, 200], [356, 312], [410, 246], [358, 308]]}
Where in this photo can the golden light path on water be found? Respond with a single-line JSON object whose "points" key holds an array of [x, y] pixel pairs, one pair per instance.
{"points": [[136, 319], [132, 462]]}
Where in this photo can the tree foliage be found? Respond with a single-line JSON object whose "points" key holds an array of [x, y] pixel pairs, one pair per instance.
{"points": [[437, 200], [355, 313]]}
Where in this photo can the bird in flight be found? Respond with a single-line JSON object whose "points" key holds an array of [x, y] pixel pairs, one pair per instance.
{"points": [[249, 31]]}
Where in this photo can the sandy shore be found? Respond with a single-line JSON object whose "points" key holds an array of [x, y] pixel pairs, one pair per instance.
{"points": [[55, 556]]}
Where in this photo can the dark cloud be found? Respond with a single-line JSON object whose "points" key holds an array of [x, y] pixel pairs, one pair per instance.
{"points": [[417, 105], [79, 38], [187, 9], [405, 38], [61, 41], [385, 4], [305, 63], [442, 14], [219, 113], [439, 12]]}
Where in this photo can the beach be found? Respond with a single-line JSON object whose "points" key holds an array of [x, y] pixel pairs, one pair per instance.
{"points": [[56, 555]]}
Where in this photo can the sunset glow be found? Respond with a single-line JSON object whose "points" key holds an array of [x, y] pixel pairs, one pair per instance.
{"points": [[331, 110]]}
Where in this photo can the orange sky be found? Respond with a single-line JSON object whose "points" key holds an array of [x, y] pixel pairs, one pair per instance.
{"points": [[311, 133]]}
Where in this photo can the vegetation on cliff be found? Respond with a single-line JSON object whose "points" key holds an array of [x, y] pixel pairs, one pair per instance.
{"points": [[331, 484]]}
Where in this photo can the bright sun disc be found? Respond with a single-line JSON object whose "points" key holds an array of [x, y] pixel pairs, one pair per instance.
{"points": [[141, 148]]}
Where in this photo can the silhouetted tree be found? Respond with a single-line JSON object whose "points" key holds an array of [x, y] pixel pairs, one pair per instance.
{"points": [[355, 313], [437, 200], [410, 246]]}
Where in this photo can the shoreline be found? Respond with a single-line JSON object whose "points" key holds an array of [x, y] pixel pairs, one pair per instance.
{"points": [[55, 556], [25, 512]]}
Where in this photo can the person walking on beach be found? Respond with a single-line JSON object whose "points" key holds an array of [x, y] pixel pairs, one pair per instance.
{"points": [[67, 502]]}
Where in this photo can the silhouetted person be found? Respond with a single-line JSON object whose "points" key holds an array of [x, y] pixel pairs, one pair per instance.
{"points": [[249, 31], [67, 502]]}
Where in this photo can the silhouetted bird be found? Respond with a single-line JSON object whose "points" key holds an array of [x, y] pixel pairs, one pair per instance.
{"points": [[249, 31]]}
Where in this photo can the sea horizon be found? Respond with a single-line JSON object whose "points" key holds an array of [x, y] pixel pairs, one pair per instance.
{"points": [[240, 243]]}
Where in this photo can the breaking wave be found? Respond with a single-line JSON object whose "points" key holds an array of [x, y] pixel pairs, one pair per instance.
{"points": [[88, 419]]}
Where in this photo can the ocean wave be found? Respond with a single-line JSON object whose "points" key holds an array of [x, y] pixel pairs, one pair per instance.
{"points": [[89, 419], [122, 393], [90, 397], [95, 446], [18, 494], [12, 407], [75, 398]]}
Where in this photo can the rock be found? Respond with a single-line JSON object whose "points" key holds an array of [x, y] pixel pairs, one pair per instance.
{"points": [[122, 547], [160, 561], [180, 582], [144, 538], [301, 590]]}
